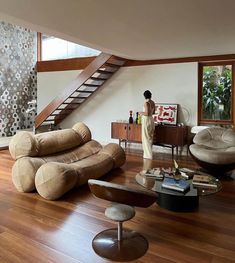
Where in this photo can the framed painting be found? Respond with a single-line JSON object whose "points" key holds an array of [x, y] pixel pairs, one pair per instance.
{"points": [[166, 113]]}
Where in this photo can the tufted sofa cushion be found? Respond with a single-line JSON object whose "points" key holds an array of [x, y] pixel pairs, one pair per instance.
{"points": [[81, 171], [28, 144]]}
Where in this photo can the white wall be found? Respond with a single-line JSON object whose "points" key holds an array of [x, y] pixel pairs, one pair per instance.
{"points": [[170, 83], [50, 84]]}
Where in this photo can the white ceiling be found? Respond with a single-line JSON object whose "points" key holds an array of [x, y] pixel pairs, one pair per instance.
{"points": [[135, 29]]}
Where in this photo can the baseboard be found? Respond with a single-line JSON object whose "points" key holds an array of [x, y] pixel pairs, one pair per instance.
{"points": [[156, 148]]}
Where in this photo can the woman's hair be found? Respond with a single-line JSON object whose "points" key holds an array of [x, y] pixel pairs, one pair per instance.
{"points": [[147, 94]]}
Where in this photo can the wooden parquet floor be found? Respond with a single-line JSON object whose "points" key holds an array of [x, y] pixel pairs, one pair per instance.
{"points": [[35, 230]]}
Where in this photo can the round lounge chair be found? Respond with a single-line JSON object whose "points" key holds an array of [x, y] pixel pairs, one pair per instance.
{"points": [[214, 149]]}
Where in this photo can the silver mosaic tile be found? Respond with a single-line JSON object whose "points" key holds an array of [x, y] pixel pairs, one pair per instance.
{"points": [[18, 78]]}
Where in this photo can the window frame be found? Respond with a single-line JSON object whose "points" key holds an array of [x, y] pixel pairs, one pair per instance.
{"points": [[39, 47], [201, 120]]}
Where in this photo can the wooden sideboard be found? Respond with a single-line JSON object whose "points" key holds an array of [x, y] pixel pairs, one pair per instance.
{"points": [[164, 135], [126, 132]]}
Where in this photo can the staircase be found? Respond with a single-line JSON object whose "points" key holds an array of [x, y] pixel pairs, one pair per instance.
{"points": [[79, 90]]}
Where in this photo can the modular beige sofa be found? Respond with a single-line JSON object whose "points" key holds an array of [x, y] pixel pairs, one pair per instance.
{"points": [[55, 162]]}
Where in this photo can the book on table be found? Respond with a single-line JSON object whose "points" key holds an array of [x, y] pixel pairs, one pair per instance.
{"points": [[177, 185], [154, 173], [187, 173], [204, 181]]}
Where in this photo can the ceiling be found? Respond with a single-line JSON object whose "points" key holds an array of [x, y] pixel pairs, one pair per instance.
{"points": [[134, 29]]}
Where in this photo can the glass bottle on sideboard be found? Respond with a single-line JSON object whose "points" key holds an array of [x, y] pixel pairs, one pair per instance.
{"points": [[137, 116], [130, 118], [139, 119]]}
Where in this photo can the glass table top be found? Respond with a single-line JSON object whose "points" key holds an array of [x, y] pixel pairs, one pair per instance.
{"points": [[151, 183]]}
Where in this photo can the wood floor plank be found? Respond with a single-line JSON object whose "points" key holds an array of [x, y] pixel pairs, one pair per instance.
{"points": [[22, 249], [33, 229]]}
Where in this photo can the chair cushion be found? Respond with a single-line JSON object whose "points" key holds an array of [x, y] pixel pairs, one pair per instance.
{"points": [[215, 137], [213, 156], [120, 212]]}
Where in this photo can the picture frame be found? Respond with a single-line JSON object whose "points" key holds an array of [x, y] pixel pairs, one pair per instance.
{"points": [[166, 113]]}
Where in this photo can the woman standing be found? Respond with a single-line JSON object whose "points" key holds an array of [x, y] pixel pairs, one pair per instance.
{"points": [[148, 125]]}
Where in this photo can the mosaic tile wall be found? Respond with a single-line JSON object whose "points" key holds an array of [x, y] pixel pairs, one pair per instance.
{"points": [[18, 83]]}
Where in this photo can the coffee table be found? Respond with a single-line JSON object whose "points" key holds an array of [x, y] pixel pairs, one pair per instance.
{"points": [[174, 200]]}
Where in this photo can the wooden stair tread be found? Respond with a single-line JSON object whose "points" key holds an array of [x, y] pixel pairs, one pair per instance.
{"points": [[74, 97], [116, 61], [111, 65], [69, 106], [60, 110], [91, 85], [63, 112], [82, 97], [107, 72], [68, 103], [84, 91], [99, 78]]}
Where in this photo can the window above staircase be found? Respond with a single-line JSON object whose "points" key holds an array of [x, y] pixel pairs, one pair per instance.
{"points": [[53, 48]]}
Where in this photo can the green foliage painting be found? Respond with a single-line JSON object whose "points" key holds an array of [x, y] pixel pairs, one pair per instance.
{"points": [[217, 86]]}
